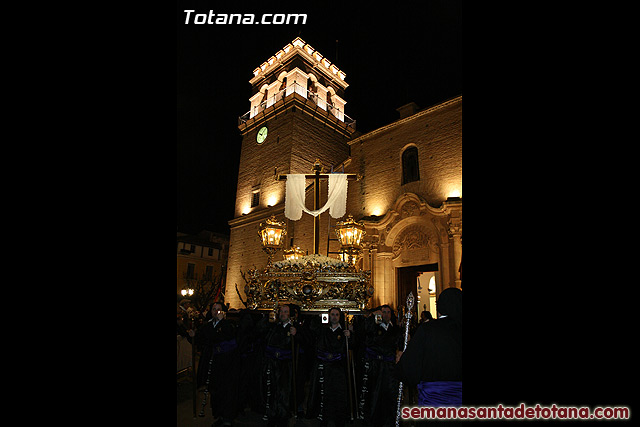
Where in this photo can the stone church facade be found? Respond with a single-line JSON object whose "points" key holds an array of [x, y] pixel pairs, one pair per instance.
{"points": [[408, 195]]}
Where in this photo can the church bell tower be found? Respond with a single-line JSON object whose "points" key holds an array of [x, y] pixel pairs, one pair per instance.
{"points": [[296, 117]]}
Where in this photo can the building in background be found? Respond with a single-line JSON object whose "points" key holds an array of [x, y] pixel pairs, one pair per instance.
{"points": [[200, 257], [409, 196]]}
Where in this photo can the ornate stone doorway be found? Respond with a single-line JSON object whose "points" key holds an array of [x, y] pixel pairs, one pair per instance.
{"points": [[410, 236]]}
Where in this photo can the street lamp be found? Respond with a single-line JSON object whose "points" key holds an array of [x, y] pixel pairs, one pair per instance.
{"points": [[271, 233]]}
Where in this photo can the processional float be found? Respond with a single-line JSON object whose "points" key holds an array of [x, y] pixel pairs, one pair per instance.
{"points": [[313, 282]]}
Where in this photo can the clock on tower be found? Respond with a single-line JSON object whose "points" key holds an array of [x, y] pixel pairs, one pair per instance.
{"points": [[262, 134]]}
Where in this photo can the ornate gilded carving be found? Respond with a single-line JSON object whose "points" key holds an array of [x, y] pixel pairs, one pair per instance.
{"points": [[315, 282]]}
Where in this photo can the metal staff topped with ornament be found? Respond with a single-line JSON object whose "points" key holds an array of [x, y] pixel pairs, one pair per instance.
{"points": [[410, 302]]}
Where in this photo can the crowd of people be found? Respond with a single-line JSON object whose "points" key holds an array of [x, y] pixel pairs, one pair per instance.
{"points": [[325, 367]]}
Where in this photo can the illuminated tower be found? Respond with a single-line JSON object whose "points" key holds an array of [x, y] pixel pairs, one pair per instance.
{"points": [[296, 116]]}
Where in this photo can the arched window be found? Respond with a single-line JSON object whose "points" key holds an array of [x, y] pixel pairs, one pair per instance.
{"points": [[330, 93], [410, 170]]}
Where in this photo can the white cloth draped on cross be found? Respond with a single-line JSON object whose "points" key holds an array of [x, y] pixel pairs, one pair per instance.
{"points": [[294, 202]]}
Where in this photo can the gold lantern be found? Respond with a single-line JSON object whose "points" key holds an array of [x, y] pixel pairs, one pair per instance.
{"points": [[271, 234], [350, 235], [293, 253]]}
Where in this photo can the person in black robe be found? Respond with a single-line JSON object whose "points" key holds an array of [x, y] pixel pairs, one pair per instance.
{"points": [[250, 351], [218, 365], [357, 346], [432, 360], [277, 382], [379, 393], [328, 397], [425, 316], [182, 328]]}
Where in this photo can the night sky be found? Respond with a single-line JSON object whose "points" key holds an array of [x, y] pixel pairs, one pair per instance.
{"points": [[390, 56]]}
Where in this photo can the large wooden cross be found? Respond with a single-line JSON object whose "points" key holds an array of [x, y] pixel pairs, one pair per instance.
{"points": [[317, 176]]}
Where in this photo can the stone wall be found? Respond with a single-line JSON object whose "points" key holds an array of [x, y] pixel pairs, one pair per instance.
{"points": [[437, 134]]}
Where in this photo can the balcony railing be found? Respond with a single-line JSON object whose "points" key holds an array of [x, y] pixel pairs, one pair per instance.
{"points": [[339, 114]]}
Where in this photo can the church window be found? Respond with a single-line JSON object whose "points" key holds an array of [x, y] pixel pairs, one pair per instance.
{"points": [[410, 170], [255, 198]]}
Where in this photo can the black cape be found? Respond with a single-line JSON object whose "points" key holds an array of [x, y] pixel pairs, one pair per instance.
{"points": [[276, 376], [223, 370], [433, 354], [328, 398], [250, 352], [379, 392]]}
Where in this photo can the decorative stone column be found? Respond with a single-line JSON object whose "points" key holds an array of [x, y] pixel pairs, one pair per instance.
{"points": [[453, 208], [454, 228], [374, 270], [366, 261], [445, 274], [383, 279]]}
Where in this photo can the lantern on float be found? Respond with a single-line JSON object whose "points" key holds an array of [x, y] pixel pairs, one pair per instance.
{"points": [[350, 235], [293, 253], [271, 233]]}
